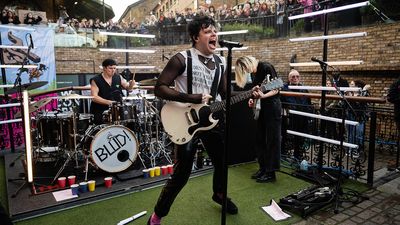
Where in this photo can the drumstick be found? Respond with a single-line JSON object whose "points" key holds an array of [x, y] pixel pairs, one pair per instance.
{"points": [[134, 217]]}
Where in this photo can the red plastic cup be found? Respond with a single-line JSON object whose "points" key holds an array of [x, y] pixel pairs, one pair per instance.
{"points": [[170, 169], [108, 182], [61, 182], [71, 180], [164, 170]]}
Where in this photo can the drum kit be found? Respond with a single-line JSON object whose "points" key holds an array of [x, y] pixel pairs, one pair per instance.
{"points": [[132, 130]]}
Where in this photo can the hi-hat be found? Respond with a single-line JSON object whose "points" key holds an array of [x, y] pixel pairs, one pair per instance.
{"points": [[35, 106], [26, 86], [73, 96]]}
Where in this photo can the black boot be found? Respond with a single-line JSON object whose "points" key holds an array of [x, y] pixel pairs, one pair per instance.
{"points": [[267, 177], [258, 174]]}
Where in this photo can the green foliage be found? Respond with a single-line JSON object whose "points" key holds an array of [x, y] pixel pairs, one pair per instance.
{"points": [[298, 27], [139, 42], [252, 28]]}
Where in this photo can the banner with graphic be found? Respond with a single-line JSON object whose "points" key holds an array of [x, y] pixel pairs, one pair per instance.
{"points": [[41, 58]]}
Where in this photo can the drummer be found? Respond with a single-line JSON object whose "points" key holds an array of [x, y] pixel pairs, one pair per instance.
{"points": [[106, 89]]}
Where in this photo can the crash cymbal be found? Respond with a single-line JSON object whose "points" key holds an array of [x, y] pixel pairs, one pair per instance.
{"points": [[151, 81], [73, 96], [27, 86], [35, 106]]}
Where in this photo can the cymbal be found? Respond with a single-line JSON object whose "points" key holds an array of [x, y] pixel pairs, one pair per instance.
{"points": [[137, 97], [73, 96], [26, 86], [35, 106], [151, 81]]}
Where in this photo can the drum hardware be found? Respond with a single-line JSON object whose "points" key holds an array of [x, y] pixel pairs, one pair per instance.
{"points": [[154, 147], [73, 155]]}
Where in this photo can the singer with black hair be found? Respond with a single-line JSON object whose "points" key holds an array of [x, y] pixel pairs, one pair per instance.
{"points": [[106, 88], [198, 75]]}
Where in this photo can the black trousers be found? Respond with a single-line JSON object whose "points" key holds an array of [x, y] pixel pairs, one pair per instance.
{"points": [[268, 136], [213, 142]]}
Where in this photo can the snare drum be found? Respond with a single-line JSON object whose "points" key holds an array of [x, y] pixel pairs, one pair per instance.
{"points": [[49, 125], [113, 148]]}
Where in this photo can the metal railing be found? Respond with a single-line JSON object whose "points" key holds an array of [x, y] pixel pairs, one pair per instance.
{"points": [[377, 139]]}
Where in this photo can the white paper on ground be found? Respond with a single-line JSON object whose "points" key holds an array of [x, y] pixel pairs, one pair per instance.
{"points": [[275, 211], [63, 195]]}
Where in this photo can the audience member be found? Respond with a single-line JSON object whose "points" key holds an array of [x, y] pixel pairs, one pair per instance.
{"points": [[296, 122], [356, 133]]}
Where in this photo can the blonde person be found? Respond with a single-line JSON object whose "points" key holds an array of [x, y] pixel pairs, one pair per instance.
{"points": [[268, 131]]}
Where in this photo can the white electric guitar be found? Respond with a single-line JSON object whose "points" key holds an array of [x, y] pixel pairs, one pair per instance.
{"points": [[182, 120]]}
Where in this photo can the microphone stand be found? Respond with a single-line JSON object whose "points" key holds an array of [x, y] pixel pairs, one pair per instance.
{"points": [[339, 158], [227, 129], [20, 94]]}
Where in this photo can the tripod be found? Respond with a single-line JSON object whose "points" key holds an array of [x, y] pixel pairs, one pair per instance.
{"points": [[155, 147]]}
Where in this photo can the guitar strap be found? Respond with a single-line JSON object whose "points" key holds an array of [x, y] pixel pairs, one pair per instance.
{"points": [[189, 72], [219, 70]]}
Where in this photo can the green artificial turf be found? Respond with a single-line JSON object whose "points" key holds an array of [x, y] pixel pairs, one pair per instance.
{"points": [[192, 206]]}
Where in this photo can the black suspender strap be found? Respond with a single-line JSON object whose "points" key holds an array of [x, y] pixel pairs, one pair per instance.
{"points": [[189, 72], [218, 70]]}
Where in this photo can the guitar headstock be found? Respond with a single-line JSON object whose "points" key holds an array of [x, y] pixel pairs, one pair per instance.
{"points": [[272, 84]]}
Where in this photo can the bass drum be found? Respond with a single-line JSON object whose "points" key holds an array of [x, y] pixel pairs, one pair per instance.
{"points": [[114, 148]]}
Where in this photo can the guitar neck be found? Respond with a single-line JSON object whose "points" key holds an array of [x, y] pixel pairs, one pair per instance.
{"points": [[218, 106]]}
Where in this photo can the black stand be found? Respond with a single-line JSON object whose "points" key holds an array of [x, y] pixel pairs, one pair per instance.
{"points": [[229, 45], [19, 87], [338, 189], [227, 143]]}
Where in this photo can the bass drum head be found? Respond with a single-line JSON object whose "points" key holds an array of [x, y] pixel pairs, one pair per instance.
{"points": [[114, 148]]}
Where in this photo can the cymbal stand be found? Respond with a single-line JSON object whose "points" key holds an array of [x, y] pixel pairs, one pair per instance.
{"points": [[75, 115], [155, 145], [81, 145]]}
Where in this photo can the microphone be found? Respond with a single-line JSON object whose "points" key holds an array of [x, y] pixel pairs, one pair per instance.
{"points": [[318, 61], [30, 37], [230, 44]]}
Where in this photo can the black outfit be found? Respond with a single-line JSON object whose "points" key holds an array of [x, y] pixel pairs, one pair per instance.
{"points": [[268, 131], [106, 91], [297, 122], [213, 140]]}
